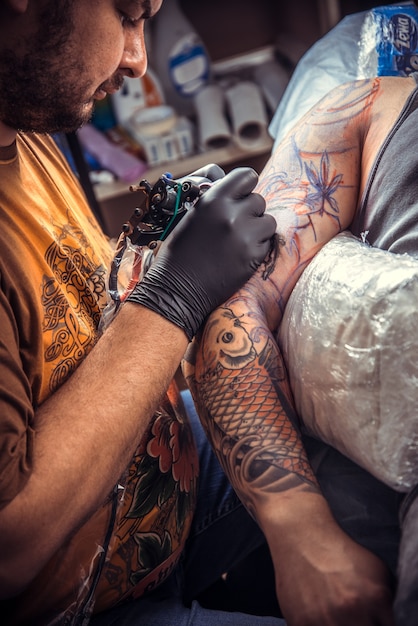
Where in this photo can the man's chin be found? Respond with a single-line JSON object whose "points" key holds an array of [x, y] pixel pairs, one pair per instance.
{"points": [[63, 124]]}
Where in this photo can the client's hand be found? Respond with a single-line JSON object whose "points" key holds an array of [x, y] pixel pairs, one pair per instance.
{"points": [[323, 578]]}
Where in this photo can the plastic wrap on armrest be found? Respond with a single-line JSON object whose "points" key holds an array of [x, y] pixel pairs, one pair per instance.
{"points": [[350, 339]]}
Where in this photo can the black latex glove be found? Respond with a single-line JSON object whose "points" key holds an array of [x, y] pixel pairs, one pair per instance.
{"points": [[212, 252], [210, 172]]}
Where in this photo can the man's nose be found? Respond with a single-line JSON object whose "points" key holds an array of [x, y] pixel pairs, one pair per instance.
{"points": [[134, 58]]}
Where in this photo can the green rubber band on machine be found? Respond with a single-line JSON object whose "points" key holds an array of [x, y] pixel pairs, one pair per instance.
{"points": [[176, 208]]}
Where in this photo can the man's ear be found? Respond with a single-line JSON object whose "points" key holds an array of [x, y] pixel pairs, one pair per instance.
{"points": [[19, 6]]}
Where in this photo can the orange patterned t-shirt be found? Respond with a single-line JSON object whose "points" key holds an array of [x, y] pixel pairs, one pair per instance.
{"points": [[53, 265]]}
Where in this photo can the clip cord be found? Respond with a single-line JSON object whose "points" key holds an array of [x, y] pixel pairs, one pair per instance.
{"points": [[173, 217]]}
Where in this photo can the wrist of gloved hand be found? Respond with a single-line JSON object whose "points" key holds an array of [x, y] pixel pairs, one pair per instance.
{"points": [[164, 291]]}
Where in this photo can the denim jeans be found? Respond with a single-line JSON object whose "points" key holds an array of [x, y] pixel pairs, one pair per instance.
{"points": [[221, 537]]}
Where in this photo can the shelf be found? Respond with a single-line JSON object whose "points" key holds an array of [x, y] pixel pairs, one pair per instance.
{"points": [[235, 46], [222, 156]]}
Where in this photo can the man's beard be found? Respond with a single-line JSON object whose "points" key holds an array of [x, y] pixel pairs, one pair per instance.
{"points": [[42, 90], [35, 100]]}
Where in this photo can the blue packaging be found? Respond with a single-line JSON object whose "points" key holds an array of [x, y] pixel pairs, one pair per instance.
{"points": [[395, 30]]}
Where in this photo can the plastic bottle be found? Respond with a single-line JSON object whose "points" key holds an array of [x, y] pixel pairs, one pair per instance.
{"points": [[179, 57]]}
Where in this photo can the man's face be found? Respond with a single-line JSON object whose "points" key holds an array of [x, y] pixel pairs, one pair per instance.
{"points": [[79, 52]]}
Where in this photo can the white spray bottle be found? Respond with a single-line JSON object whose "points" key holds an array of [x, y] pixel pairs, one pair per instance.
{"points": [[179, 57]]}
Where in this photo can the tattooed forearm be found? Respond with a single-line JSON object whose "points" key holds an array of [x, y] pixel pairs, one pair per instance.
{"points": [[246, 407]]}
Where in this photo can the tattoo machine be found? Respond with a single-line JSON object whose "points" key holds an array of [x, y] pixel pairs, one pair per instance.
{"points": [[163, 206]]}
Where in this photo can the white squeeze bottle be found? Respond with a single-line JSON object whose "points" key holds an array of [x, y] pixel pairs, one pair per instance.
{"points": [[178, 57]]}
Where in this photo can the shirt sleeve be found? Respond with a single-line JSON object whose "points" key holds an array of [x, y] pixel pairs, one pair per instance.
{"points": [[16, 411]]}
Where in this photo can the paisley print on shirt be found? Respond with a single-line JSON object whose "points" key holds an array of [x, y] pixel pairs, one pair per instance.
{"points": [[72, 298]]}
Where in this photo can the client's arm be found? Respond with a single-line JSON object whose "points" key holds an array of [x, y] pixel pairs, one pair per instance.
{"points": [[239, 383]]}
